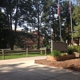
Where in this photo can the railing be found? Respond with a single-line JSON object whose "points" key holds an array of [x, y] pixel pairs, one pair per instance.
{"points": [[4, 52]]}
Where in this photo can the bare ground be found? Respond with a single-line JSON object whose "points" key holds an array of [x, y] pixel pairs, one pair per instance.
{"points": [[72, 64]]}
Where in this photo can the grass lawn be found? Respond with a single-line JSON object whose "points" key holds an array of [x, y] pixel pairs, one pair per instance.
{"points": [[20, 55]]}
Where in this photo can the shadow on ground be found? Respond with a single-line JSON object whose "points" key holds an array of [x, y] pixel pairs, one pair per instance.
{"points": [[20, 71]]}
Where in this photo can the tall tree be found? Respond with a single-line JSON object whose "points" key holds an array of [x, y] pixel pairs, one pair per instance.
{"points": [[36, 16], [76, 17], [23, 12], [49, 13], [49, 10], [78, 2], [4, 30], [76, 14], [17, 11], [8, 6], [22, 15]]}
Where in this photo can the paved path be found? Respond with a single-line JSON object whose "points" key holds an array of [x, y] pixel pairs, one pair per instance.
{"points": [[26, 69]]}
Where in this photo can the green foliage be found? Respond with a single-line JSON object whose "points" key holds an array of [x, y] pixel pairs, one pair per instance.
{"points": [[45, 42], [77, 31], [15, 47], [56, 53], [64, 14], [27, 10], [48, 46], [78, 48], [76, 14], [72, 49], [4, 30], [34, 46]]}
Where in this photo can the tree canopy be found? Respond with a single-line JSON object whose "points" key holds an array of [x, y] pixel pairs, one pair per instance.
{"points": [[76, 17], [39, 14], [4, 30]]}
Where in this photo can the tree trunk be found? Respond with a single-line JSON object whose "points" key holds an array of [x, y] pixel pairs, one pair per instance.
{"points": [[11, 35], [16, 20], [9, 17], [38, 29]]}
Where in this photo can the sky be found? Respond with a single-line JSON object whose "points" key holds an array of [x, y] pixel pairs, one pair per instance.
{"points": [[74, 1]]}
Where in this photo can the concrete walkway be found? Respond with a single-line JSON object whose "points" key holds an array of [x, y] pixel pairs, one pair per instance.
{"points": [[26, 69]]}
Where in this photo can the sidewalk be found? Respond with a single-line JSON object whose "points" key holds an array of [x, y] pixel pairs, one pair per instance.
{"points": [[26, 69]]}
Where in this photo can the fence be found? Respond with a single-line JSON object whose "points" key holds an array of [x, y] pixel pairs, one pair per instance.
{"points": [[4, 52], [43, 50]]}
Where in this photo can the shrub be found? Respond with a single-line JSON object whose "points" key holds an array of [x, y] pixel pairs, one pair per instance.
{"points": [[72, 49], [75, 48], [48, 46], [78, 49], [34, 46], [56, 53], [15, 47]]}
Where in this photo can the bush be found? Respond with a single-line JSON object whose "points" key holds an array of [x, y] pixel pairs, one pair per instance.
{"points": [[72, 49], [34, 46], [15, 47], [56, 53], [48, 46], [78, 49]]}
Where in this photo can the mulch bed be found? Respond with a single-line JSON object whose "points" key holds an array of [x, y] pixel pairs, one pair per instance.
{"points": [[72, 64]]}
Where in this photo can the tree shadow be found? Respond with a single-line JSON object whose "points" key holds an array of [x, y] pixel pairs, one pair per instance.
{"points": [[20, 71]]}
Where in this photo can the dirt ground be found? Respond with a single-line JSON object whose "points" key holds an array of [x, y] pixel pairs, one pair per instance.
{"points": [[73, 64]]}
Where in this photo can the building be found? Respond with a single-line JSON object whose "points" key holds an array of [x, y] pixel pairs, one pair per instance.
{"points": [[28, 40]]}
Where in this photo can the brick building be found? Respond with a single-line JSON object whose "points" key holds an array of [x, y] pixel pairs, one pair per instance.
{"points": [[29, 39], [33, 42]]}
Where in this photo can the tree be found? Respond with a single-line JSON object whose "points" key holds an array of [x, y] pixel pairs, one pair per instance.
{"points": [[23, 12], [37, 12], [78, 2], [76, 14], [8, 6], [49, 10], [77, 31], [17, 11], [64, 18], [76, 17], [49, 13], [36, 16], [4, 30]]}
